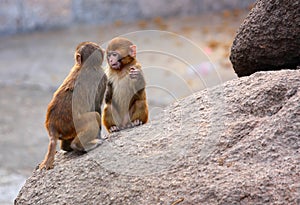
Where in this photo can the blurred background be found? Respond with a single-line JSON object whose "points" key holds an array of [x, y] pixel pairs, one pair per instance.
{"points": [[183, 46]]}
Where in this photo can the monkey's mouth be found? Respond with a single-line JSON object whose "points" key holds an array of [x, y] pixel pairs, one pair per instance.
{"points": [[115, 66]]}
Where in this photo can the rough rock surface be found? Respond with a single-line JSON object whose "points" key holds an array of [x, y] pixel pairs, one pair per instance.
{"points": [[268, 39], [238, 143]]}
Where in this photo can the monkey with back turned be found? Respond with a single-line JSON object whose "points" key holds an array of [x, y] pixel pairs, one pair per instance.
{"points": [[74, 113], [125, 98]]}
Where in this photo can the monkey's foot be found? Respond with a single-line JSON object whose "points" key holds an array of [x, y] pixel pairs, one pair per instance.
{"points": [[114, 129], [46, 165], [92, 145], [136, 123]]}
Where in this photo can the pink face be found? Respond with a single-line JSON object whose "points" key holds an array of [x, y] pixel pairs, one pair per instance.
{"points": [[113, 58]]}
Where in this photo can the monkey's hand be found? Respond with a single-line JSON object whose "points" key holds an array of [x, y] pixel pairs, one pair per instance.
{"points": [[134, 73]]}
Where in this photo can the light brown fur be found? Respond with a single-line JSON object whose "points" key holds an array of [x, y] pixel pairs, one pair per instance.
{"points": [[126, 104], [74, 113]]}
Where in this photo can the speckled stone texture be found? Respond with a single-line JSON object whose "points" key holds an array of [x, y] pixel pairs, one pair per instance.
{"points": [[237, 143], [268, 39]]}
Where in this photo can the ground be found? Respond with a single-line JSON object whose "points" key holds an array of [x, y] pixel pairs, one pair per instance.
{"points": [[190, 56]]}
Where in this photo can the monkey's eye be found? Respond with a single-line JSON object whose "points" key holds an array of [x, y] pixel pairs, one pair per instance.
{"points": [[113, 54]]}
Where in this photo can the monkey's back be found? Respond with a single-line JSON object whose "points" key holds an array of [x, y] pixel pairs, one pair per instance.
{"points": [[59, 113], [78, 94], [59, 116], [87, 88]]}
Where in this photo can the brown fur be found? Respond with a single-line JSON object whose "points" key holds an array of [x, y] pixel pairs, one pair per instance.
{"points": [[73, 115], [126, 104]]}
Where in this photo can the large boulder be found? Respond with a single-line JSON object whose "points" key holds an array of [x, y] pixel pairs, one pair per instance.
{"points": [[237, 143], [268, 39]]}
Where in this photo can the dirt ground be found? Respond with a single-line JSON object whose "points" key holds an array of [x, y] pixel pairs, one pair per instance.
{"points": [[180, 55]]}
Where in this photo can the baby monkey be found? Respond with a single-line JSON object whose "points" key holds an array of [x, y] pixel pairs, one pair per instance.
{"points": [[74, 113], [125, 98]]}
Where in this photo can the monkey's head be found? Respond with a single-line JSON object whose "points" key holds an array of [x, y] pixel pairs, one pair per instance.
{"points": [[120, 52], [88, 52]]}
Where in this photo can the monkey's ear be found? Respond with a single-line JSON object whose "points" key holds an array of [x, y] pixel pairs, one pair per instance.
{"points": [[132, 51], [78, 59]]}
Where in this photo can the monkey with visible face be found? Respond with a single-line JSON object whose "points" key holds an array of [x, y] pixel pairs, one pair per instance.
{"points": [[74, 113], [125, 98]]}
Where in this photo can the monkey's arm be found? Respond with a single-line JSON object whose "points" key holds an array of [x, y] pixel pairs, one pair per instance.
{"points": [[139, 112], [100, 93], [139, 108], [109, 93], [137, 76], [107, 117]]}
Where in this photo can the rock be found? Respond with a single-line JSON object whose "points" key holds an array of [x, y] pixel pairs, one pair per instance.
{"points": [[237, 143], [268, 39], [18, 16]]}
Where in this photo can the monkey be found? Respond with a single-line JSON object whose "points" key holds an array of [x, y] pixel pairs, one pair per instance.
{"points": [[125, 99], [74, 113]]}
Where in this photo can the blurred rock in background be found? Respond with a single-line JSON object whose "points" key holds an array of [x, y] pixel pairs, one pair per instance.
{"points": [[27, 15]]}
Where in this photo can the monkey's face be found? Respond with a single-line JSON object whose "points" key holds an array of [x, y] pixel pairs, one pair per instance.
{"points": [[120, 52], [113, 59]]}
